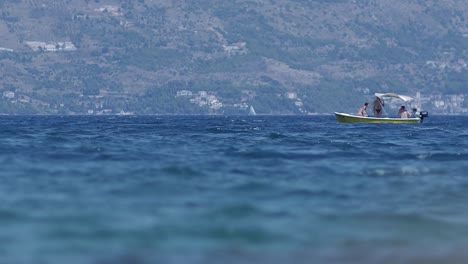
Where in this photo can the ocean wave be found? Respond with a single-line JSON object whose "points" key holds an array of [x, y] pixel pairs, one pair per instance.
{"points": [[402, 170]]}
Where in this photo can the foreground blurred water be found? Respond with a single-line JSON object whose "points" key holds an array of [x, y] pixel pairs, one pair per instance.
{"points": [[219, 189]]}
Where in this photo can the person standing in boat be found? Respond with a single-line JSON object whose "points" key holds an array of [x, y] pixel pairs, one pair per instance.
{"points": [[363, 109], [378, 106], [403, 113]]}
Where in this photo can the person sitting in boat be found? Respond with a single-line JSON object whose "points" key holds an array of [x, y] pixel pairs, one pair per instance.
{"points": [[363, 109], [403, 113], [378, 106]]}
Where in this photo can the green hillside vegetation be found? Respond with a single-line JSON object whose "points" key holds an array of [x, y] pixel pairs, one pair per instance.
{"points": [[297, 57]]}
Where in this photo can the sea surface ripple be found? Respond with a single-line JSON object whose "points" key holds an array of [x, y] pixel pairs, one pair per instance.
{"points": [[232, 189]]}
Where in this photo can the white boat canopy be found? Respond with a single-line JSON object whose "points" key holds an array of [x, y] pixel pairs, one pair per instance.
{"points": [[394, 95]]}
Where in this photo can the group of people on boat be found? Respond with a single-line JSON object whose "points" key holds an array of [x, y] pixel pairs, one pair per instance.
{"points": [[378, 109]]}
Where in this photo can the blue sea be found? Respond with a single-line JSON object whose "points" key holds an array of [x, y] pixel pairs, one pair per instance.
{"points": [[232, 189]]}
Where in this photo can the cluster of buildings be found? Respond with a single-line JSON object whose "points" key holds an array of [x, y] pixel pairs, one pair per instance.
{"points": [[447, 104], [440, 104], [6, 49], [453, 104], [201, 98], [14, 98], [458, 65], [46, 46], [204, 98], [238, 48], [297, 101], [51, 46], [112, 10]]}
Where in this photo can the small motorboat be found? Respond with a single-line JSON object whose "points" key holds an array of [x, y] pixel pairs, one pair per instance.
{"points": [[417, 118]]}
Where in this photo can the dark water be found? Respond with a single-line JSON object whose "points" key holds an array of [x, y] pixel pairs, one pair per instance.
{"points": [[152, 189]]}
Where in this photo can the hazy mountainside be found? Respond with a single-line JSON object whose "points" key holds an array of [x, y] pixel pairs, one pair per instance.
{"points": [[282, 57]]}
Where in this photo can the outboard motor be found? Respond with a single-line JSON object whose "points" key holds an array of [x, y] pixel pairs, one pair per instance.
{"points": [[423, 114]]}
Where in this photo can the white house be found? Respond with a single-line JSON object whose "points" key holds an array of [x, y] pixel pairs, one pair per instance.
{"points": [[9, 94]]}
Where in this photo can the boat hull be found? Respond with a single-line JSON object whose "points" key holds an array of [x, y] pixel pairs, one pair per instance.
{"points": [[347, 118]]}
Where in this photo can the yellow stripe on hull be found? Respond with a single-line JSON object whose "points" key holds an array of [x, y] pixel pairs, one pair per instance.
{"points": [[347, 118]]}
